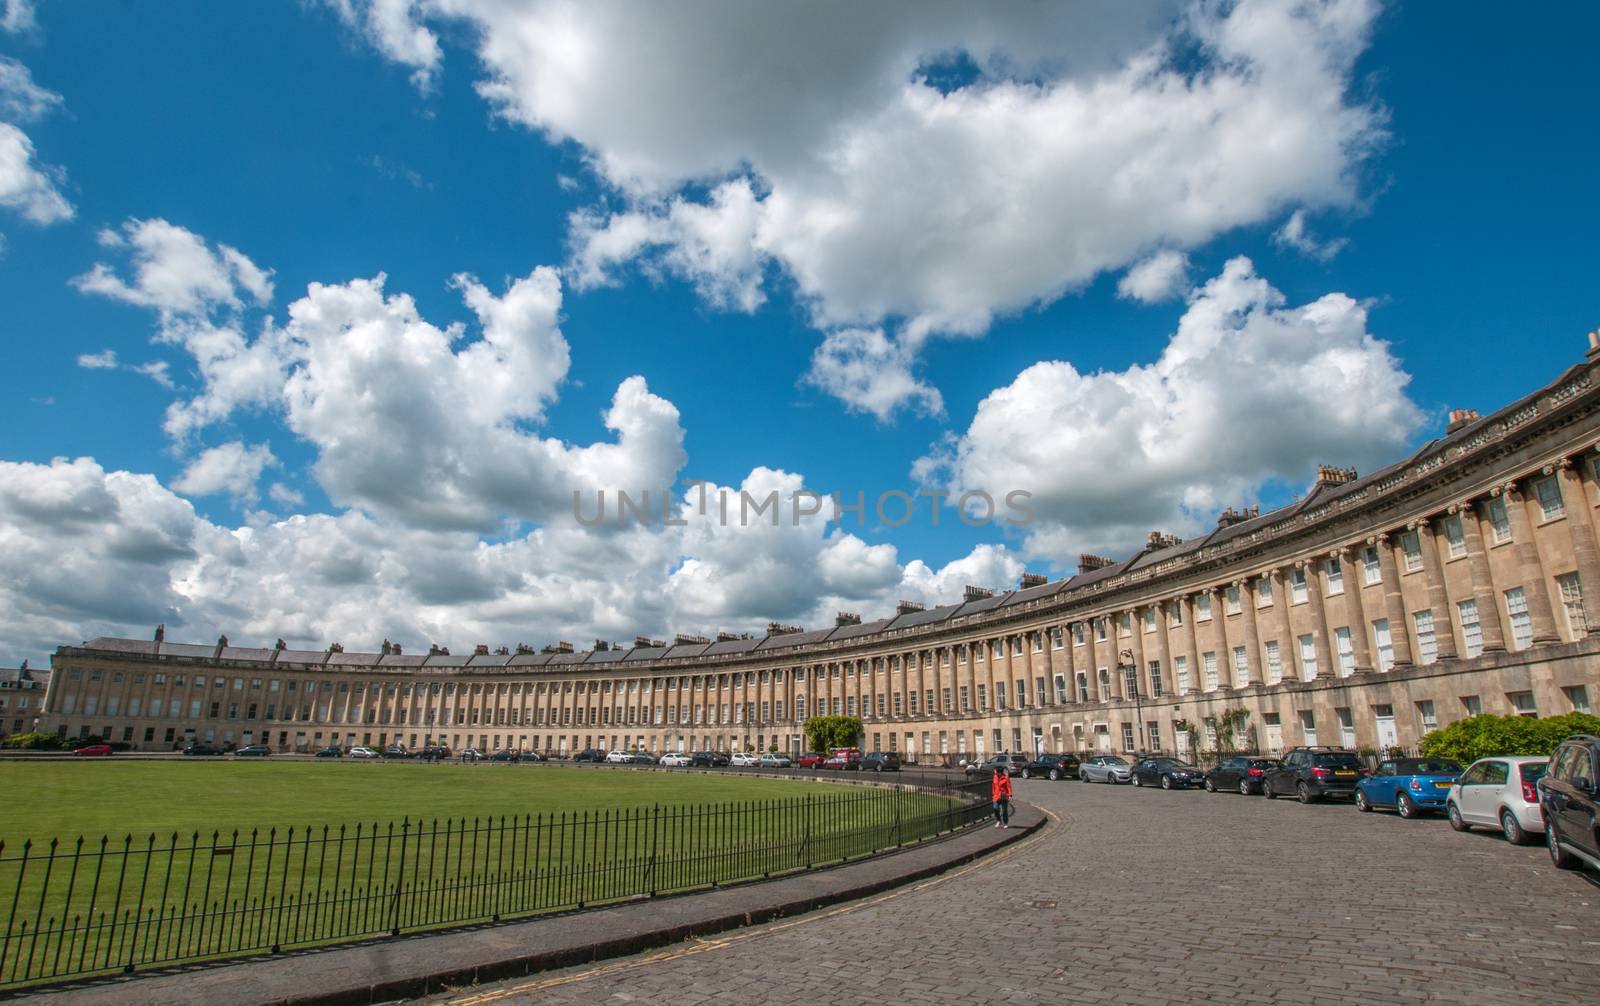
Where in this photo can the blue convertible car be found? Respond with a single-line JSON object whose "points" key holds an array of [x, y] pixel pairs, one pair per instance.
{"points": [[1409, 785]]}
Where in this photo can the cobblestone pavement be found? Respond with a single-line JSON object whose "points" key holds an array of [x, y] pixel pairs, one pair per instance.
{"points": [[1146, 896]]}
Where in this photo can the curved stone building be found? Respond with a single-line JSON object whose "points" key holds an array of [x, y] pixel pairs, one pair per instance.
{"points": [[1374, 609]]}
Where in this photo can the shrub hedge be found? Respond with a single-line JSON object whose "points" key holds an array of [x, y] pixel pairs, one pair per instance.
{"points": [[1487, 735]]}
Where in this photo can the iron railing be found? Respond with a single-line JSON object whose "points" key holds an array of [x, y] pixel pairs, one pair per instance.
{"points": [[84, 907]]}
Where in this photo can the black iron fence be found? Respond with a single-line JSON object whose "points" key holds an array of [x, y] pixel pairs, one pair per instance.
{"points": [[84, 907]]}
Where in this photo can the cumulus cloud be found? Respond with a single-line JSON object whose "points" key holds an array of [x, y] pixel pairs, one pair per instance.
{"points": [[86, 551], [1296, 233], [17, 16], [21, 100], [233, 468], [286, 495], [26, 186], [106, 359], [1159, 277], [176, 272], [843, 159], [391, 26], [1248, 390], [870, 372]]}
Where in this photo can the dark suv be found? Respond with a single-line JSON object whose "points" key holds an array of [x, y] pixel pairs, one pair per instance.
{"points": [[1052, 767], [1312, 773], [880, 761], [590, 754], [1567, 797]]}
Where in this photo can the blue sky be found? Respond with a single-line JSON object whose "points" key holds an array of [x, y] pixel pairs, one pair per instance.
{"points": [[797, 254]]}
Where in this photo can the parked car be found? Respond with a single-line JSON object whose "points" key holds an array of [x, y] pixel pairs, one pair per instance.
{"points": [[710, 759], [532, 756], [1500, 793], [773, 760], [362, 751], [1241, 772], [396, 751], [676, 759], [643, 758], [1106, 768], [1012, 763], [506, 755], [471, 754], [201, 751], [811, 759], [1168, 773], [1568, 799], [744, 759], [92, 751], [331, 751], [253, 751], [1314, 773], [843, 759], [1412, 786], [1052, 767], [590, 754], [880, 761], [619, 758], [434, 752]]}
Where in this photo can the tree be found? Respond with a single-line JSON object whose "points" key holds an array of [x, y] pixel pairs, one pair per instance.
{"points": [[824, 733], [1489, 736], [1229, 725]]}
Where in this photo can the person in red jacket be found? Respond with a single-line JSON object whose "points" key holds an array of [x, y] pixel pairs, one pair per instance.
{"points": [[1000, 788]]}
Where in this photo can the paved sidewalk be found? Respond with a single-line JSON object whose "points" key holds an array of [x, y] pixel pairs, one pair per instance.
{"points": [[424, 964]]}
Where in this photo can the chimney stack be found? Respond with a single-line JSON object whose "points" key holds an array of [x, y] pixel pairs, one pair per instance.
{"points": [[972, 593], [1161, 539], [1033, 580], [1088, 562], [1594, 345], [1466, 417], [907, 607], [683, 639], [779, 629], [1328, 475], [844, 618]]}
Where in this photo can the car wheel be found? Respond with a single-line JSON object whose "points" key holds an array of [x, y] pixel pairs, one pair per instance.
{"points": [[1457, 822], [1562, 859], [1166, 782], [1405, 807], [1362, 804], [879, 768], [1244, 787], [1211, 787], [1512, 828], [1303, 793], [1025, 774], [1055, 774], [1137, 782], [1267, 790]]}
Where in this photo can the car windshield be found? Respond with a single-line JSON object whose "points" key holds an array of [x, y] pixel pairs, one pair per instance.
{"points": [[1113, 760], [1427, 766], [1336, 761]]}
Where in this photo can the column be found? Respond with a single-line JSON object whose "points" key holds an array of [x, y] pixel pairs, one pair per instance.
{"points": [[1438, 596], [1164, 649], [1069, 663], [1483, 592], [1320, 634], [1394, 608], [1219, 618], [1349, 559], [1136, 644], [1576, 503], [1046, 641], [1193, 655], [1252, 636], [1534, 583]]}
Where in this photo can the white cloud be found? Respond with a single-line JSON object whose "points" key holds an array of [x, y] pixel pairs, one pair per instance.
{"points": [[21, 100], [84, 551], [25, 186], [1248, 390], [176, 272], [1089, 135], [233, 468], [1296, 233], [391, 26], [1159, 277], [870, 372], [106, 359], [18, 17], [286, 495]]}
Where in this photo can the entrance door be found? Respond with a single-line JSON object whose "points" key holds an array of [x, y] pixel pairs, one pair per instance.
{"points": [[1102, 738], [1180, 740], [1274, 736], [1387, 735]]}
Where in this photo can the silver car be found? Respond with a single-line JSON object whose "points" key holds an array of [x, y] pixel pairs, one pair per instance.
{"points": [[1500, 793], [1105, 768]]}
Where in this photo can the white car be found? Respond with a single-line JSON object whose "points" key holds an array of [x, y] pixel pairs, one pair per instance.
{"points": [[775, 761], [1500, 793], [619, 758], [676, 759], [744, 759], [361, 751]]}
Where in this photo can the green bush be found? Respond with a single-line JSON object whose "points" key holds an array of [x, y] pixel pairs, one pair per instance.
{"points": [[32, 742], [824, 733], [1488, 736]]}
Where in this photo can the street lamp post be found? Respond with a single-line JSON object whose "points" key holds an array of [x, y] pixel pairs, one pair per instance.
{"points": [[1133, 679]]}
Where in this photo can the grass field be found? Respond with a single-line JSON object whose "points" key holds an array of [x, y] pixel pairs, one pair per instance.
{"points": [[194, 860], [66, 799]]}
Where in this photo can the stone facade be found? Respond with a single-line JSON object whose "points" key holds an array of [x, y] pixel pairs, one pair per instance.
{"points": [[1364, 614]]}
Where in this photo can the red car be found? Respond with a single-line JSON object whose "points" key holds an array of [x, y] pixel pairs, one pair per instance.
{"points": [[811, 759], [844, 759], [93, 751]]}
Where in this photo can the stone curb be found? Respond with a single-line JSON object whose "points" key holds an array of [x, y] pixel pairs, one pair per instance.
{"points": [[428, 963]]}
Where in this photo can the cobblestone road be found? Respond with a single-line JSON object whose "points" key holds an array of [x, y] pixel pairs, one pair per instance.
{"points": [[1145, 896]]}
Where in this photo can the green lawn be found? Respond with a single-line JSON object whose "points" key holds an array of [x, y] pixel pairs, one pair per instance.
{"points": [[194, 860], [67, 799]]}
